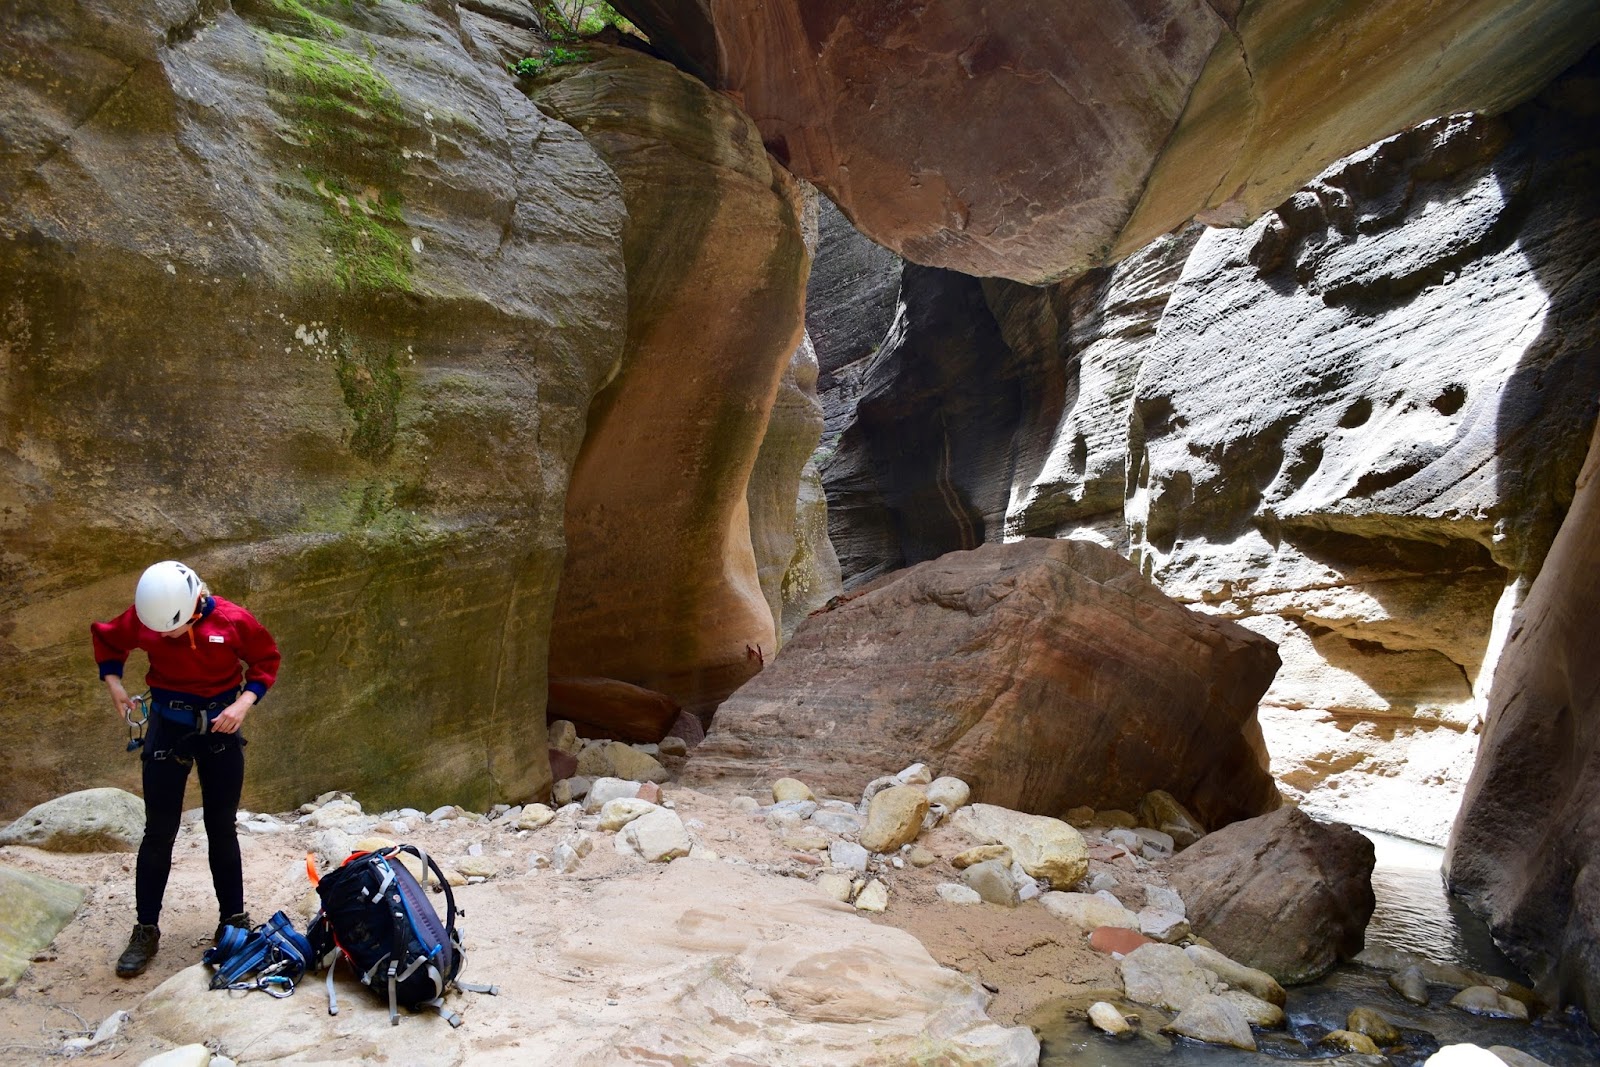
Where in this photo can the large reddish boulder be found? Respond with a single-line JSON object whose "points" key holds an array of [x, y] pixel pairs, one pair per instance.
{"points": [[1282, 893], [1046, 674]]}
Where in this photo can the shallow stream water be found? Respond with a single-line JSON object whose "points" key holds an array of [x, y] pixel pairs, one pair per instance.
{"points": [[1414, 915]]}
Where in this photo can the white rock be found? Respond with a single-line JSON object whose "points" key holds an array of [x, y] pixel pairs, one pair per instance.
{"points": [[660, 836], [183, 1056], [838, 886], [1163, 925], [791, 789], [1102, 882], [916, 774], [949, 793], [1463, 1056], [700, 852], [1163, 899], [1089, 910], [1154, 844], [605, 789], [874, 896], [839, 822], [620, 812], [475, 849], [1046, 847], [538, 861], [565, 858], [449, 811], [1107, 1018], [1162, 976], [1126, 838], [849, 855], [534, 816], [745, 803], [957, 894]]}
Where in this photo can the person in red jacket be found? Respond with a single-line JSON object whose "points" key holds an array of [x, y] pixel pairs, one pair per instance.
{"points": [[210, 663]]}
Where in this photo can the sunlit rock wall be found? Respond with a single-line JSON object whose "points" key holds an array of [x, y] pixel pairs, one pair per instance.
{"points": [[1352, 426], [315, 300], [1034, 141], [662, 586]]}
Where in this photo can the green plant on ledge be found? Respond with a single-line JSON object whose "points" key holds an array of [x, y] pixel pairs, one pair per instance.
{"points": [[555, 57]]}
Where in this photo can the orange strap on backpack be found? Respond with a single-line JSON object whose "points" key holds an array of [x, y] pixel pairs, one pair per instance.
{"points": [[311, 868]]}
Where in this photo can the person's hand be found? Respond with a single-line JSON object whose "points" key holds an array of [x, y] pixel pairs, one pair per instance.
{"points": [[119, 696], [232, 717]]}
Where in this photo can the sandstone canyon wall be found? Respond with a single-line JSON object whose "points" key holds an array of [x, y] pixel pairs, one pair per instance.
{"points": [[1186, 108], [662, 586], [1353, 426], [316, 301], [1523, 852]]}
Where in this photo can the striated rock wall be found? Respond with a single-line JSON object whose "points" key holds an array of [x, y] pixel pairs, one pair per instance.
{"points": [[314, 299], [661, 587], [1352, 426], [1034, 141], [1046, 674]]}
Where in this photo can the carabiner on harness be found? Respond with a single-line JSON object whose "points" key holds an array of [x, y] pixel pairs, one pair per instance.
{"points": [[136, 726], [277, 986]]}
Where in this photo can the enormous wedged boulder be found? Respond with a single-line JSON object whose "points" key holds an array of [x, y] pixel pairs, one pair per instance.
{"points": [[1282, 893], [605, 707], [1036, 140], [1525, 850], [312, 298], [1045, 674], [661, 586]]}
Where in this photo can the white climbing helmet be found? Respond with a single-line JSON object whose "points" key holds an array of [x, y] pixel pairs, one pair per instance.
{"points": [[166, 595]]}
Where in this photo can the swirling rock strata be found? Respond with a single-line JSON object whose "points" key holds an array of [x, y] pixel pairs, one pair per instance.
{"points": [[1036, 141], [661, 586]]}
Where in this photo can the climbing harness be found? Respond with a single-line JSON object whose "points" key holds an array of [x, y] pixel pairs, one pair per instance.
{"points": [[274, 953], [136, 726]]}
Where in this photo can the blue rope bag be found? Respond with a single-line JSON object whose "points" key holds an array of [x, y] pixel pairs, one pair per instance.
{"points": [[274, 953]]}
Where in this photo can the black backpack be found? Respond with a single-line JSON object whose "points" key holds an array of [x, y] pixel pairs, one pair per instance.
{"points": [[376, 916]]}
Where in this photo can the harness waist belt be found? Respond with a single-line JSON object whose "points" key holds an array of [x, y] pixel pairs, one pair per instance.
{"points": [[195, 714]]}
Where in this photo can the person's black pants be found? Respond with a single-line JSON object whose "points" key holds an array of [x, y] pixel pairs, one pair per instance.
{"points": [[219, 760]]}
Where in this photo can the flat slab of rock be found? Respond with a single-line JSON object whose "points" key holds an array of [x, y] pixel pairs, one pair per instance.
{"points": [[788, 977], [1281, 893], [33, 909], [90, 820], [1044, 673]]}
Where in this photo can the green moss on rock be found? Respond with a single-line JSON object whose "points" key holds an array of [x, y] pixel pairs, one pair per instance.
{"points": [[332, 79]]}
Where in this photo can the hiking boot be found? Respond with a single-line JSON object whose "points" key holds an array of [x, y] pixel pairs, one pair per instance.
{"points": [[141, 947], [241, 920]]}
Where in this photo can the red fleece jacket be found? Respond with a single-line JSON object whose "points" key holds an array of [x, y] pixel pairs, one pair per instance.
{"points": [[204, 662]]}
